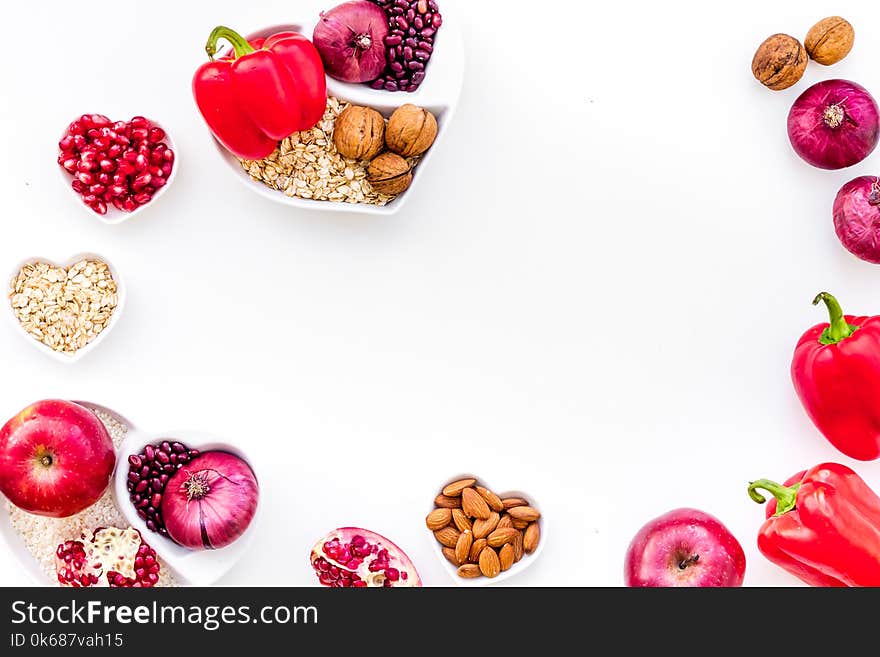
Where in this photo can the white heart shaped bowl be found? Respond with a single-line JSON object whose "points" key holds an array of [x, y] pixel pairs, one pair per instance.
{"points": [[61, 356], [516, 568], [113, 215], [190, 567], [438, 93]]}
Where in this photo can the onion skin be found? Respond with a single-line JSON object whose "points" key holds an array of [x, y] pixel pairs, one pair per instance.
{"points": [[210, 502], [857, 217], [834, 124], [351, 40]]}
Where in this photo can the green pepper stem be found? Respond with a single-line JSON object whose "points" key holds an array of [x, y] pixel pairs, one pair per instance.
{"points": [[239, 43], [838, 329], [786, 496]]}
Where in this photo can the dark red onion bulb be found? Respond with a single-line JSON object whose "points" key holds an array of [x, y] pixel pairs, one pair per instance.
{"points": [[834, 124]]}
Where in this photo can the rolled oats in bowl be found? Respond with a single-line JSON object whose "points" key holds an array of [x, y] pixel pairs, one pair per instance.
{"points": [[307, 165]]}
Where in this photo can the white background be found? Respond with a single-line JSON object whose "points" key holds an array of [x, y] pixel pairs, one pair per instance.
{"points": [[593, 295]]}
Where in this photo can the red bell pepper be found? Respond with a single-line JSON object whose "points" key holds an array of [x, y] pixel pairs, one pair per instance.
{"points": [[836, 374], [263, 93], [823, 526]]}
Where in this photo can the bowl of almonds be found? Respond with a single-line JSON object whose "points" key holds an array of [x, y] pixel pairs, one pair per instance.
{"points": [[482, 536], [65, 309]]}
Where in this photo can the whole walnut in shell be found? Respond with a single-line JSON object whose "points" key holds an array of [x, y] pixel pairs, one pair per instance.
{"points": [[389, 174], [411, 130], [359, 133], [779, 62], [830, 40]]}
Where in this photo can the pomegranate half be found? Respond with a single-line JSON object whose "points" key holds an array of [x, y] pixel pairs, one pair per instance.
{"points": [[350, 557]]}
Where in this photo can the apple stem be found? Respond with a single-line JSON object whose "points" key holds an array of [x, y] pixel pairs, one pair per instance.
{"points": [[46, 460], [690, 561], [786, 496]]}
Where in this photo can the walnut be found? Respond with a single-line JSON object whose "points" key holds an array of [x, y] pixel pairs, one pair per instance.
{"points": [[779, 62], [389, 174], [830, 40], [359, 133], [411, 130]]}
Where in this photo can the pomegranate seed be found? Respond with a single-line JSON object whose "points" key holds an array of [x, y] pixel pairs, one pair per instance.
{"points": [[70, 164], [139, 134], [101, 143], [99, 206], [66, 143], [99, 120], [156, 135], [114, 151], [104, 178], [97, 189], [85, 178], [141, 162], [139, 122], [142, 199], [107, 166], [118, 190], [76, 128], [79, 142]]}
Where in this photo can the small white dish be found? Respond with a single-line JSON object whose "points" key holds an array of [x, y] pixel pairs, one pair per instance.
{"points": [[113, 215], [439, 93], [190, 567], [61, 356], [516, 568]]}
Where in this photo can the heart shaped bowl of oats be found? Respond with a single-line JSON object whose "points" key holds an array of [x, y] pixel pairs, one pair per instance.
{"points": [[66, 308]]}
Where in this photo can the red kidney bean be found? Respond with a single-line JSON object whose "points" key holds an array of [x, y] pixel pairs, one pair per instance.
{"points": [[415, 65], [162, 457], [393, 40], [418, 23], [407, 53], [412, 25], [142, 514], [410, 15], [141, 486], [391, 85]]}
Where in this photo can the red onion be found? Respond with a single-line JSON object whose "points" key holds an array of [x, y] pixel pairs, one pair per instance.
{"points": [[351, 40], [210, 502], [834, 124], [857, 217]]}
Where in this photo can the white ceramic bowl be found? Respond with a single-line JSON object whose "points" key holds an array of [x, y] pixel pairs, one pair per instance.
{"points": [[438, 93], [190, 568], [113, 215], [515, 569], [60, 356]]}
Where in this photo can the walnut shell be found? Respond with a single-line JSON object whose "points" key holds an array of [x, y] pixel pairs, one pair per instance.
{"points": [[389, 174], [830, 40], [779, 62], [411, 130], [359, 133]]}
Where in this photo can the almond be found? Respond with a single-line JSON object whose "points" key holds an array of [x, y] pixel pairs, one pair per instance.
{"points": [[531, 537], [447, 536], [523, 513], [491, 498], [449, 553], [490, 565], [454, 489], [461, 520], [438, 519], [510, 502], [474, 505], [520, 524], [506, 521], [482, 528], [469, 570], [463, 545], [447, 502], [505, 556], [518, 549], [476, 548], [502, 536]]}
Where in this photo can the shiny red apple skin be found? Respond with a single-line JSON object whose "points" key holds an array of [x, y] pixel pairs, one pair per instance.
{"points": [[56, 458], [684, 548]]}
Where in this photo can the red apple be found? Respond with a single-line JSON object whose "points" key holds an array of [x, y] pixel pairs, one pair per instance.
{"points": [[56, 458], [684, 547]]}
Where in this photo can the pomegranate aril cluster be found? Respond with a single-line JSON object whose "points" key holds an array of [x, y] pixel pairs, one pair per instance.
{"points": [[148, 473], [119, 164], [72, 569], [146, 571], [350, 556], [413, 25]]}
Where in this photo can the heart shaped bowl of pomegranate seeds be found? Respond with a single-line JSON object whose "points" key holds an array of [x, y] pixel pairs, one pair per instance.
{"points": [[65, 308], [116, 169], [462, 505], [438, 93], [144, 457]]}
